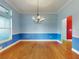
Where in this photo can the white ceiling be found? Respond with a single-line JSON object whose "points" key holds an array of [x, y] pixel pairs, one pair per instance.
{"points": [[29, 6]]}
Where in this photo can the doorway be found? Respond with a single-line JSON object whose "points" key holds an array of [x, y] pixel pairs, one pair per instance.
{"points": [[66, 28]]}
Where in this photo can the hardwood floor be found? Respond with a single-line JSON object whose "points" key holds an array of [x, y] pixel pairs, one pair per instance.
{"points": [[40, 50]]}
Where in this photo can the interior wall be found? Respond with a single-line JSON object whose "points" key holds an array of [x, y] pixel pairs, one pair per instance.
{"points": [[71, 9], [45, 30], [15, 17], [23, 27], [15, 26], [15, 22], [47, 26], [24, 24]]}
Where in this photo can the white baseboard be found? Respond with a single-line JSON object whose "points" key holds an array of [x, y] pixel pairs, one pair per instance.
{"points": [[38, 40], [9, 46], [70, 40], [43, 40], [74, 50], [27, 40], [59, 41]]}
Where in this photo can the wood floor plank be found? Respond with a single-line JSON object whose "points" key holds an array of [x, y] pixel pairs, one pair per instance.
{"points": [[39, 50]]}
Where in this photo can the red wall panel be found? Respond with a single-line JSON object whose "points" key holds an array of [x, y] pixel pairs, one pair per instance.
{"points": [[69, 27]]}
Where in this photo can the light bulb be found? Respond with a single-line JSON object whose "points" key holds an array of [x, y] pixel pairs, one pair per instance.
{"points": [[38, 18]]}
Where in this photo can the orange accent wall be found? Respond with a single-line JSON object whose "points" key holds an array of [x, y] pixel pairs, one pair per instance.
{"points": [[69, 27]]}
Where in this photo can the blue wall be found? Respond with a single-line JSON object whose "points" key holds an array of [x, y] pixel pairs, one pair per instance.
{"points": [[75, 44], [23, 27], [71, 9], [13, 40], [15, 26], [41, 36], [47, 26], [23, 24], [22, 36], [15, 22]]}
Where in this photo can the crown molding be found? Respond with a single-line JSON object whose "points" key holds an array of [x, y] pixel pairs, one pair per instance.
{"points": [[66, 4], [11, 6]]}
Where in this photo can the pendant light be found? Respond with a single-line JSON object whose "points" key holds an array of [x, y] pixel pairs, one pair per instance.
{"points": [[38, 18]]}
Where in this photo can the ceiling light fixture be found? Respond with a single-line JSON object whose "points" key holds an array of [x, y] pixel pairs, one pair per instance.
{"points": [[38, 18]]}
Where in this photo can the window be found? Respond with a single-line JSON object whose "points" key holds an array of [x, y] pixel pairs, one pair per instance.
{"points": [[5, 24], [2, 9]]}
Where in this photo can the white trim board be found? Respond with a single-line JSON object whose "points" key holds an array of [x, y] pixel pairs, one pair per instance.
{"points": [[74, 50], [43, 40], [69, 40], [76, 36], [27, 40], [9, 46]]}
